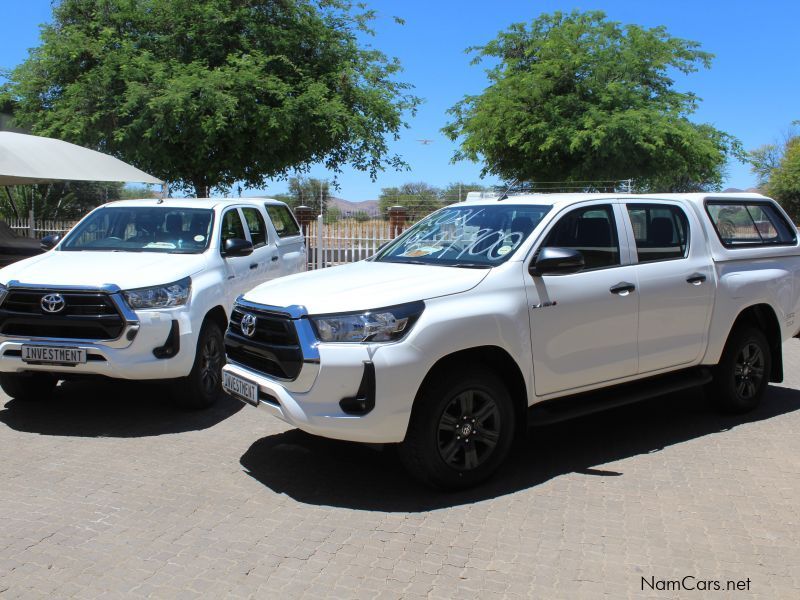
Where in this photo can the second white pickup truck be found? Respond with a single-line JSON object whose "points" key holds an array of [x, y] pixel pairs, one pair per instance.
{"points": [[141, 289], [500, 309]]}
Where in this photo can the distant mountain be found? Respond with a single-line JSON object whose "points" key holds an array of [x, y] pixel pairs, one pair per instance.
{"points": [[349, 208]]}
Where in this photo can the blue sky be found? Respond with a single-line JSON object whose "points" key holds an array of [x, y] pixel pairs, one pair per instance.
{"points": [[752, 90]]}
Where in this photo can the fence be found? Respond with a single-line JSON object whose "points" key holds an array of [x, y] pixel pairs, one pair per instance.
{"points": [[346, 241], [40, 228]]}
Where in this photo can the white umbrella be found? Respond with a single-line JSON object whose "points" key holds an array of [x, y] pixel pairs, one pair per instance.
{"points": [[26, 159]]}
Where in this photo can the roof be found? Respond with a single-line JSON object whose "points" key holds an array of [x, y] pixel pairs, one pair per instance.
{"points": [[209, 203], [574, 198]]}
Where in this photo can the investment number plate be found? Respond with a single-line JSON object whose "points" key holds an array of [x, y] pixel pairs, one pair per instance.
{"points": [[240, 387], [53, 355]]}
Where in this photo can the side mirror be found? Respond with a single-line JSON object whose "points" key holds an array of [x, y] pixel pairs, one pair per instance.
{"points": [[237, 247], [556, 261], [49, 242]]}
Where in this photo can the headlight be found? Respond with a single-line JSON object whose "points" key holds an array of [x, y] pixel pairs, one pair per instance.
{"points": [[379, 325], [3, 293], [160, 296]]}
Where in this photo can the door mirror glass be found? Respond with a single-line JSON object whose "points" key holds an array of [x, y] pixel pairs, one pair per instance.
{"points": [[49, 242], [237, 247], [557, 261]]}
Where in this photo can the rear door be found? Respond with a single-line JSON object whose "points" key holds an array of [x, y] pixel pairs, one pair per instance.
{"points": [[676, 282], [291, 244], [583, 325]]}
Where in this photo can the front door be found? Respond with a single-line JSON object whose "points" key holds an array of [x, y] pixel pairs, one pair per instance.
{"points": [[583, 325], [238, 268]]}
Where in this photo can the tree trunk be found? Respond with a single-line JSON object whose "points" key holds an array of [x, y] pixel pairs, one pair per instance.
{"points": [[202, 189]]}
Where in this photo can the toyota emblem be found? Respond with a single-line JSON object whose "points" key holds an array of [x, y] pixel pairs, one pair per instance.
{"points": [[53, 303], [248, 324]]}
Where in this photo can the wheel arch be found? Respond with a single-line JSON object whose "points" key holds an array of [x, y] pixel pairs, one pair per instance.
{"points": [[496, 358], [218, 315], [764, 318]]}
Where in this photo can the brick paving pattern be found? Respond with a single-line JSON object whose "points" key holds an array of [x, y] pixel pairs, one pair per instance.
{"points": [[108, 492]]}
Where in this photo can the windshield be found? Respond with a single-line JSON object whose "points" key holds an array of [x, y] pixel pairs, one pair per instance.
{"points": [[466, 236], [143, 229]]}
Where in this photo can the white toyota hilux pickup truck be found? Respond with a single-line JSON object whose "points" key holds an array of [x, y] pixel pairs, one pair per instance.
{"points": [[498, 310], [141, 289]]}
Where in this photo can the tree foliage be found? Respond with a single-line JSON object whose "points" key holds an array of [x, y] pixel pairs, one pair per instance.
{"points": [[308, 191], [204, 93], [60, 200], [457, 192], [784, 180], [417, 198], [575, 97]]}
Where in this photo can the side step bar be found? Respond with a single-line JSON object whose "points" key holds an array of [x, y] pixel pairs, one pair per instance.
{"points": [[569, 407]]}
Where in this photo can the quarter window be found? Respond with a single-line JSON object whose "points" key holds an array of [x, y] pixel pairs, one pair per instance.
{"points": [[744, 223], [256, 225], [661, 231], [591, 231]]}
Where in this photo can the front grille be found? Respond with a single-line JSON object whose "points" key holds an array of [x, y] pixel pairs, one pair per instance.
{"points": [[85, 316], [273, 349]]}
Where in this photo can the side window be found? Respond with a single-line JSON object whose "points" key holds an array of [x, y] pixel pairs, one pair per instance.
{"points": [[283, 220], [232, 226], [661, 231], [745, 223], [256, 225], [592, 231]]}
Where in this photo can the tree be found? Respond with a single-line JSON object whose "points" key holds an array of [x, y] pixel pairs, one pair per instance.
{"points": [[59, 200], [307, 191], [784, 180], [332, 215], [419, 199], [577, 98], [206, 93], [456, 192]]}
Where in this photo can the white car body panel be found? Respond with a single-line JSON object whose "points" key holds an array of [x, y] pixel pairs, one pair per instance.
{"points": [[565, 334]]}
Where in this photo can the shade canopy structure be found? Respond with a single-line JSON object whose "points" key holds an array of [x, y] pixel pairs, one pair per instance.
{"points": [[27, 159]]}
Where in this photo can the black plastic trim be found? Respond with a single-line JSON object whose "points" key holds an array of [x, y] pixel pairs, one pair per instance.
{"points": [[172, 345], [364, 400]]}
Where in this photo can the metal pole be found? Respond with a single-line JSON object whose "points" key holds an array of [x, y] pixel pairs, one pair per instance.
{"points": [[320, 251], [31, 230]]}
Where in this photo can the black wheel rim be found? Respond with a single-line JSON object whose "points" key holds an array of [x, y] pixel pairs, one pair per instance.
{"points": [[469, 430], [211, 361], [748, 372]]}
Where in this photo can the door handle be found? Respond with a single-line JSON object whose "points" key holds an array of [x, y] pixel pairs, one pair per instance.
{"points": [[254, 265], [274, 258], [623, 288], [696, 278]]}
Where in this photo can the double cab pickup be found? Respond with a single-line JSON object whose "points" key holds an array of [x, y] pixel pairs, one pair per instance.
{"points": [[504, 309]]}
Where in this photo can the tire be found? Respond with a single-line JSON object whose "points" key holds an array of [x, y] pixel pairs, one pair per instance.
{"points": [[741, 377], [28, 386], [471, 406], [204, 384]]}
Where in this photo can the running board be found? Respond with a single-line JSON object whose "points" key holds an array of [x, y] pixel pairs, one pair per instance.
{"points": [[569, 407]]}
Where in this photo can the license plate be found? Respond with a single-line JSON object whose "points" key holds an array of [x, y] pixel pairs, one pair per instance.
{"points": [[240, 387], [53, 355]]}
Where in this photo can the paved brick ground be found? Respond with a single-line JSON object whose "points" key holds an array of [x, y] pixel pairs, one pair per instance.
{"points": [[108, 492]]}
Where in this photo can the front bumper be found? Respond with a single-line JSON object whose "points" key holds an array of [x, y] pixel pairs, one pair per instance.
{"points": [[130, 356], [314, 404]]}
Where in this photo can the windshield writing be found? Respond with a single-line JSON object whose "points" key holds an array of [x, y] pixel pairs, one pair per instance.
{"points": [[476, 236]]}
